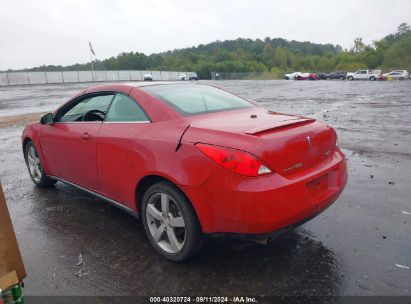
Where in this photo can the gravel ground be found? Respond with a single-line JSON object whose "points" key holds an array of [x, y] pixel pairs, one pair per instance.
{"points": [[359, 246]]}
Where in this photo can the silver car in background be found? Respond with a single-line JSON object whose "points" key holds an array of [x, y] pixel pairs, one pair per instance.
{"points": [[148, 77], [396, 75]]}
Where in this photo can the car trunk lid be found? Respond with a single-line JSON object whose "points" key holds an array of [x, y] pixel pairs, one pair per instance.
{"points": [[294, 147], [285, 143], [242, 121]]}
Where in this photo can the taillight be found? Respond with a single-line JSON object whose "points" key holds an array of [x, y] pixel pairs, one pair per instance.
{"points": [[234, 160]]}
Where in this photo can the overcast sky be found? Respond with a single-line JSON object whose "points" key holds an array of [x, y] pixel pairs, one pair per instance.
{"points": [[56, 32]]}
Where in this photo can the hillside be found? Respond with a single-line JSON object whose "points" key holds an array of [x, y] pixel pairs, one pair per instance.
{"points": [[272, 55]]}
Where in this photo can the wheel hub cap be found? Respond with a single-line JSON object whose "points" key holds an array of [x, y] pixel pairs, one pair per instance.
{"points": [[34, 164], [166, 223]]}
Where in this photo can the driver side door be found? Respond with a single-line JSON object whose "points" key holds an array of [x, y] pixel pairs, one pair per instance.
{"points": [[362, 75], [69, 144]]}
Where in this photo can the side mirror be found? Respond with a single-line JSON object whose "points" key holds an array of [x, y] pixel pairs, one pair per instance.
{"points": [[47, 119]]}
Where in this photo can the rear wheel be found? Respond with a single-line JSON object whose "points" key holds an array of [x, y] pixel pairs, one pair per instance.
{"points": [[372, 78], [170, 222], [35, 167], [350, 78]]}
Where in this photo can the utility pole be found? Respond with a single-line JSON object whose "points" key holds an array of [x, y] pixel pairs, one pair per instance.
{"points": [[92, 66], [91, 58]]}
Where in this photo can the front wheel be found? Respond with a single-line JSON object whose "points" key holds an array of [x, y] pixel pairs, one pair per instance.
{"points": [[36, 171], [350, 78], [170, 222]]}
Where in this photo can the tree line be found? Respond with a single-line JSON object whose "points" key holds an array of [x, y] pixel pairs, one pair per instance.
{"points": [[275, 55]]}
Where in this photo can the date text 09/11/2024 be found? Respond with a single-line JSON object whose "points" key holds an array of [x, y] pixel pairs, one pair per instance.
{"points": [[204, 299]]}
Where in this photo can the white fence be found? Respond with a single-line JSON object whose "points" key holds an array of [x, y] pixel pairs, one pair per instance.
{"points": [[26, 78]]}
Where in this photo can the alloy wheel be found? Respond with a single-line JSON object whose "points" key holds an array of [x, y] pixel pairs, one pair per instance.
{"points": [[166, 223], [34, 164]]}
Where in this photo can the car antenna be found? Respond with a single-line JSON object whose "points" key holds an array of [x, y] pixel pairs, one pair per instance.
{"points": [[181, 138]]}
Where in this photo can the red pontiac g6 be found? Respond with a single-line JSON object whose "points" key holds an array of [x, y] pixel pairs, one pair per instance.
{"points": [[192, 160]]}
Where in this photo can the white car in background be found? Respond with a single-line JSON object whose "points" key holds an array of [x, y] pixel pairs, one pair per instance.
{"points": [[364, 75], [182, 77], [148, 77], [396, 75], [291, 75]]}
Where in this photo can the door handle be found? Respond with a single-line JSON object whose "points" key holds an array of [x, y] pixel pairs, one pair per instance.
{"points": [[86, 135]]}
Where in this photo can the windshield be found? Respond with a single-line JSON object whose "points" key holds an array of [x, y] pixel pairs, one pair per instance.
{"points": [[196, 99]]}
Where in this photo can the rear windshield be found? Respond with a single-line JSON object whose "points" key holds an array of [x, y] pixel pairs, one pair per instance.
{"points": [[196, 99]]}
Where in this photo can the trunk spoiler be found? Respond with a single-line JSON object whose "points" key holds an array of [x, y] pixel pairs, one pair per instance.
{"points": [[278, 125]]}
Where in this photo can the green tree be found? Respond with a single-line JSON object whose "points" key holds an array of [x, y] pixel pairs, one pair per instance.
{"points": [[399, 55], [403, 28], [269, 55], [280, 57], [358, 45]]}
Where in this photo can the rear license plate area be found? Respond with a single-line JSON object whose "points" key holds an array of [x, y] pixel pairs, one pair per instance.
{"points": [[318, 186]]}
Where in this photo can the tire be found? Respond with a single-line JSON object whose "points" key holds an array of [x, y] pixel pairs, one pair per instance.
{"points": [[342, 78], [350, 78], [35, 167], [160, 229], [401, 78], [286, 78], [372, 78]]}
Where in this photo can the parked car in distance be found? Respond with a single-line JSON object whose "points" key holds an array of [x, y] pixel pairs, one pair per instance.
{"points": [[305, 76], [291, 76], [148, 77], [313, 76], [323, 76], [395, 75], [364, 75], [182, 76], [342, 75], [192, 76], [191, 160]]}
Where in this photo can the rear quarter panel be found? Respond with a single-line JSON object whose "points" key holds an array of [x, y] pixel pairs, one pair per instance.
{"points": [[184, 166]]}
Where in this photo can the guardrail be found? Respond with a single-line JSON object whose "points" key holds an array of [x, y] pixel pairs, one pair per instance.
{"points": [[245, 76], [27, 78]]}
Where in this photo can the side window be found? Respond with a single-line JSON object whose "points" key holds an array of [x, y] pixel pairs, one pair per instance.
{"points": [[98, 103], [123, 109]]}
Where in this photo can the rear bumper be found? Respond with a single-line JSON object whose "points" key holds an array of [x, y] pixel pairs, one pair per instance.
{"points": [[262, 236], [231, 204]]}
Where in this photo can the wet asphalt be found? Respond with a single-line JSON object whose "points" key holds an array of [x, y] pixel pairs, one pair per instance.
{"points": [[361, 245]]}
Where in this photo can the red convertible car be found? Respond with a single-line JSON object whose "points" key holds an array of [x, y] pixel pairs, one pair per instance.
{"points": [[190, 159]]}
